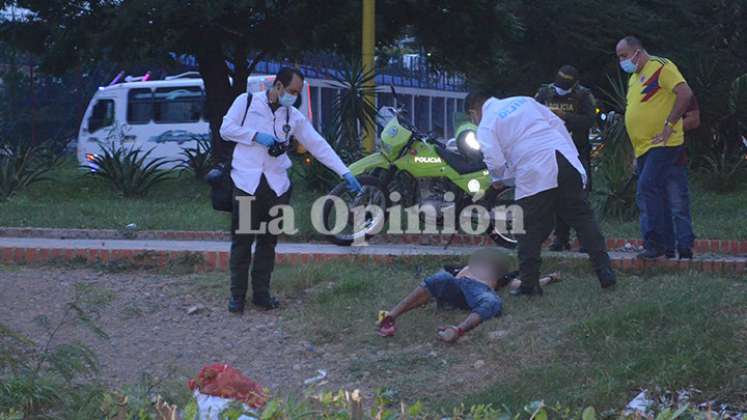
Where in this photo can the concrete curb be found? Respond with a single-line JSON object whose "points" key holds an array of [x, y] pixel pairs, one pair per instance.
{"points": [[701, 246], [213, 255]]}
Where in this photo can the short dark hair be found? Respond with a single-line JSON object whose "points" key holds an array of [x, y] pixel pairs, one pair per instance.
{"points": [[476, 98], [285, 75], [634, 42]]}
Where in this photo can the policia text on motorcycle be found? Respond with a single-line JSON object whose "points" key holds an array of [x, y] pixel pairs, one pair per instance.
{"points": [[575, 105], [260, 170], [524, 142]]}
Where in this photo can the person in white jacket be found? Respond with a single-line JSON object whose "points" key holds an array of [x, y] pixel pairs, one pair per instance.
{"points": [[260, 170], [524, 143]]}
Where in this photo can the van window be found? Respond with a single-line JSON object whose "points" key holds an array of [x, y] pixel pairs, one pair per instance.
{"points": [[179, 104], [139, 106], [102, 115]]}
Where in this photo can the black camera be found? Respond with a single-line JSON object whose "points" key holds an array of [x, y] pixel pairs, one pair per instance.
{"points": [[278, 149]]}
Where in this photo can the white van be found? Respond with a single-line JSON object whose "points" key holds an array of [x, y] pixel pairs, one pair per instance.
{"points": [[165, 116]]}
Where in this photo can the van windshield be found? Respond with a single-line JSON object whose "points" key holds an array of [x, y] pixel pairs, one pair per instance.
{"points": [[102, 115]]}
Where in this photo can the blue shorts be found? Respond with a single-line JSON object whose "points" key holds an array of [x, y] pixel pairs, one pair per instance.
{"points": [[464, 293]]}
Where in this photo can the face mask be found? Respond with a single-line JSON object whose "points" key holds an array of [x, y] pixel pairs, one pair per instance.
{"points": [[287, 100], [560, 91], [628, 65]]}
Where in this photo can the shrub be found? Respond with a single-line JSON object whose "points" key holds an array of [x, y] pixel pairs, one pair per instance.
{"points": [[22, 164], [614, 193], [129, 171], [723, 171], [198, 159]]}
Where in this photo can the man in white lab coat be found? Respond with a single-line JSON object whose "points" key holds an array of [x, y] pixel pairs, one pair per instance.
{"points": [[523, 142], [260, 170]]}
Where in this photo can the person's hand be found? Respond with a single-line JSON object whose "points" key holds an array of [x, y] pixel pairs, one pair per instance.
{"points": [[664, 136], [353, 185], [498, 186], [559, 113], [449, 334], [265, 139]]}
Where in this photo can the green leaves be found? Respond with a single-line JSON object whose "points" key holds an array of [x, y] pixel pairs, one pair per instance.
{"points": [[353, 111], [198, 159], [130, 172], [23, 164]]}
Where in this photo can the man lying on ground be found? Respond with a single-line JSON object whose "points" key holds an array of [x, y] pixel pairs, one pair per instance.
{"points": [[471, 287]]}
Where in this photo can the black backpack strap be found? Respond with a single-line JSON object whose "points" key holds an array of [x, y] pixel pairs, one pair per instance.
{"points": [[229, 145], [249, 98]]}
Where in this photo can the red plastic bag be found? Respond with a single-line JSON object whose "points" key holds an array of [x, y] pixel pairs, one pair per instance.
{"points": [[221, 380]]}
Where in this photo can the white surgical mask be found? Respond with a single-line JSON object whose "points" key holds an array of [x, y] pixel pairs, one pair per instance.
{"points": [[560, 91], [628, 65], [287, 100]]}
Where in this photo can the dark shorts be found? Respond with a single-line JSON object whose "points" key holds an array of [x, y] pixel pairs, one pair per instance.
{"points": [[464, 293]]}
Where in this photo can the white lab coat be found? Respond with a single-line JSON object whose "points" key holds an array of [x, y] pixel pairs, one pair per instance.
{"points": [[252, 160], [518, 137]]}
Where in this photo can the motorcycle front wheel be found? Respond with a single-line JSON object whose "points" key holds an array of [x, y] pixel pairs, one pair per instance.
{"points": [[373, 194], [503, 234]]}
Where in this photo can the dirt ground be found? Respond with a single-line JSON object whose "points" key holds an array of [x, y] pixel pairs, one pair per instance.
{"points": [[150, 330]]}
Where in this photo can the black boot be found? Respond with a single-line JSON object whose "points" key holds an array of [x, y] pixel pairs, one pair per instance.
{"points": [[685, 253], [607, 277], [651, 254], [236, 305], [266, 302]]}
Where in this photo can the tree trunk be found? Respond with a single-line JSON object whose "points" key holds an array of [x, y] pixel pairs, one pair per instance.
{"points": [[218, 92]]}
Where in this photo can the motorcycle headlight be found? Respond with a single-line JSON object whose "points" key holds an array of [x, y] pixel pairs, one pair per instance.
{"points": [[468, 145], [470, 139]]}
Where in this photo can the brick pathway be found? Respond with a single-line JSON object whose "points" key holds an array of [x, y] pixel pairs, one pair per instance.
{"points": [[701, 246], [213, 255]]}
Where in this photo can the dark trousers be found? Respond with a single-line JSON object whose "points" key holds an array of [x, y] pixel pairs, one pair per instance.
{"points": [[654, 168], [562, 229], [241, 244], [569, 200]]}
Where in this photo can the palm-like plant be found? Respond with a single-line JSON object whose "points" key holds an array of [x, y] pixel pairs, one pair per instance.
{"points": [[353, 112], [130, 171], [198, 159], [23, 164], [615, 194]]}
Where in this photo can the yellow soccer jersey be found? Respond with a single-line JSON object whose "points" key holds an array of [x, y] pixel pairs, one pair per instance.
{"points": [[650, 101]]}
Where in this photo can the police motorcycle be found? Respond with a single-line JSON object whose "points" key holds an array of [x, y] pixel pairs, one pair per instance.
{"points": [[413, 168]]}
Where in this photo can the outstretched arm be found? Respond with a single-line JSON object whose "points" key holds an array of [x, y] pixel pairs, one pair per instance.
{"points": [[487, 306], [452, 333]]}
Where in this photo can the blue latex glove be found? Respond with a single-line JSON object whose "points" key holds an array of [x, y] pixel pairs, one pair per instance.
{"points": [[353, 184], [265, 139]]}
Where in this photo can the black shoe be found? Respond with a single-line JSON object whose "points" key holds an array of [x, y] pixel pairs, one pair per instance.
{"points": [[560, 246], [685, 253], [236, 305], [529, 291], [607, 277], [650, 254], [266, 302], [670, 254]]}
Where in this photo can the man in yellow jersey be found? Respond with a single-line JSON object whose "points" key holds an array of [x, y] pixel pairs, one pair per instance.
{"points": [[657, 98]]}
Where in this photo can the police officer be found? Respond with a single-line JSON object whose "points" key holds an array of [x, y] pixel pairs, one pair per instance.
{"points": [[260, 130], [575, 105]]}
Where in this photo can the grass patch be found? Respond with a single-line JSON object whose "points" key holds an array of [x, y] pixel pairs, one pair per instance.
{"points": [[74, 200], [715, 216], [578, 344]]}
